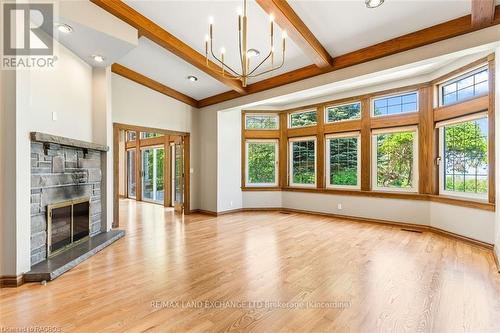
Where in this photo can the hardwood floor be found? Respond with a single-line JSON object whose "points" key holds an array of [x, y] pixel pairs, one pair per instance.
{"points": [[369, 277]]}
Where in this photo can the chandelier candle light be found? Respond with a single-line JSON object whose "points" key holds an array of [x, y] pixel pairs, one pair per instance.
{"points": [[246, 71]]}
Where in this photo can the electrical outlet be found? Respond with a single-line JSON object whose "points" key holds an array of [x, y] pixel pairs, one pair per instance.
{"points": [[231, 203], [339, 206], [54, 115]]}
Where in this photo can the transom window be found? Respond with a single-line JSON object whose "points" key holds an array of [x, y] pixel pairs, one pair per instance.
{"points": [[131, 135], [262, 162], [303, 161], [303, 118], [464, 154], [465, 87], [261, 121], [148, 135], [343, 165], [343, 112], [395, 164], [395, 104]]}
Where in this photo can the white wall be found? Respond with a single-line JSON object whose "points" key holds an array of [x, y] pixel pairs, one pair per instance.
{"points": [[134, 104], [229, 160]]}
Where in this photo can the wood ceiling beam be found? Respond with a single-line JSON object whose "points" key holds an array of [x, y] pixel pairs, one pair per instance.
{"points": [[483, 12], [436, 33], [152, 84], [160, 36], [290, 22]]}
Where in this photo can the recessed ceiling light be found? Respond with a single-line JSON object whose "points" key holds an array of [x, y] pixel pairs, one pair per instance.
{"points": [[64, 28], [98, 58], [253, 53], [192, 78], [373, 3]]}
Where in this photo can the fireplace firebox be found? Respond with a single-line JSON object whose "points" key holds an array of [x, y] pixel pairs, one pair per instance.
{"points": [[68, 223]]}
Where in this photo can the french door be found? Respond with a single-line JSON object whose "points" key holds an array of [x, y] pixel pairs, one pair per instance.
{"points": [[153, 181], [178, 176], [131, 169]]}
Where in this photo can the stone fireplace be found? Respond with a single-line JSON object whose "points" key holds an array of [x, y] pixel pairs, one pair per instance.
{"points": [[66, 205]]}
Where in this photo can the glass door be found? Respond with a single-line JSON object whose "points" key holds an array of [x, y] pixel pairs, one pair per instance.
{"points": [[153, 181], [131, 170], [178, 176]]}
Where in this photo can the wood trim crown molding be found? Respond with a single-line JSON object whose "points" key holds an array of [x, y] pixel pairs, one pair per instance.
{"points": [[290, 22], [453, 28], [149, 29], [152, 84]]}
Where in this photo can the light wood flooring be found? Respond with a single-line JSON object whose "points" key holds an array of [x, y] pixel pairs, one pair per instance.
{"points": [[340, 276]]}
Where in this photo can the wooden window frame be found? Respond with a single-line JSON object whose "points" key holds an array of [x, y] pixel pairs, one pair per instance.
{"points": [[440, 126], [290, 161], [342, 104], [374, 165], [275, 114], [345, 135], [425, 119], [303, 110], [395, 94], [276, 163], [470, 72]]}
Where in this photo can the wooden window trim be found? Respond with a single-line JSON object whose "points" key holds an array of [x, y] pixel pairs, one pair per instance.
{"points": [[425, 119]]}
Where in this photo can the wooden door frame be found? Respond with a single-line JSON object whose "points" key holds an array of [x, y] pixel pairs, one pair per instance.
{"points": [[168, 137]]}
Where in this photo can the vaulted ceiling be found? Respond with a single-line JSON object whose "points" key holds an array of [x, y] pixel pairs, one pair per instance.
{"points": [[324, 36]]}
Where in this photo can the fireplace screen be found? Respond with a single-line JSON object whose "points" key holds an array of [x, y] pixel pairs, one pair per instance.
{"points": [[68, 223]]}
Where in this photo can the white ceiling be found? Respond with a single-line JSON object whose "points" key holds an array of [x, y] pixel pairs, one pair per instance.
{"points": [[346, 26], [155, 62], [188, 21]]}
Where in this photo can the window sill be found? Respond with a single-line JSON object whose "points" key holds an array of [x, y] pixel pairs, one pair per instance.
{"points": [[469, 203]]}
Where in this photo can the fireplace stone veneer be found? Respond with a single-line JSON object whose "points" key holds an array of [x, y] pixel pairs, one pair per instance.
{"points": [[61, 171]]}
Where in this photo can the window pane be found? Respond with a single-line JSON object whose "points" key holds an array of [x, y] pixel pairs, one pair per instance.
{"points": [[344, 112], [395, 104], [467, 87], [395, 160], [303, 119], [303, 166], [466, 157], [261, 163], [131, 135], [343, 161], [261, 121], [147, 135]]}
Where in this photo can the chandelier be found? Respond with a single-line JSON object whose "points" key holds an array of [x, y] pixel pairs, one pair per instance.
{"points": [[248, 70]]}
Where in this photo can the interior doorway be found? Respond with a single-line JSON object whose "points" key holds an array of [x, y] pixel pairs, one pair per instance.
{"points": [[151, 165]]}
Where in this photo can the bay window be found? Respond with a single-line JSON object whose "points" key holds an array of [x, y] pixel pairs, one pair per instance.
{"points": [[262, 162], [395, 160], [302, 166], [343, 165], [463, 163]]}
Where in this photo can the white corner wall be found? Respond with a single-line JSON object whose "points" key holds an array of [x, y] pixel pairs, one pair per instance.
{"points": [[134, 104], [229, 156]]}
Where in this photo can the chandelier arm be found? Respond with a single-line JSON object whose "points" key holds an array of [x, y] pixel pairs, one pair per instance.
{"points": [[260, 64], [221, 62], [270, 70], [239, 45]]}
